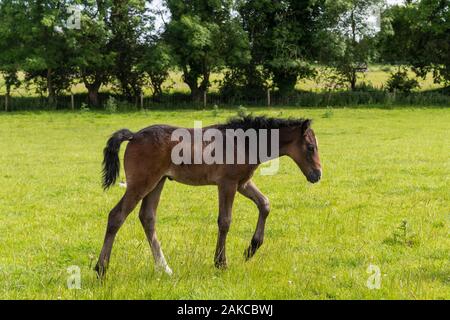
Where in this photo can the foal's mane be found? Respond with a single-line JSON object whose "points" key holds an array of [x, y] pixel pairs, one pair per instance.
{"points": [[263, 122]]}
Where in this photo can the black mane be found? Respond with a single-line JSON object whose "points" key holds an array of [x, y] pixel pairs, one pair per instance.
{"points": [[263, 122]]}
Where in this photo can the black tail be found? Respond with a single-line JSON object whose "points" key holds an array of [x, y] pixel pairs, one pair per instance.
{"points": [[111, 162]]}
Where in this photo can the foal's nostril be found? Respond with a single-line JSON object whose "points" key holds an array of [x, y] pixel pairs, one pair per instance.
{"points": [[314, 176]]}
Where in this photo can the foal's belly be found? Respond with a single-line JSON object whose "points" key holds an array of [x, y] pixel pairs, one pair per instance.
{"points": [[203, 175], [194, 175]]}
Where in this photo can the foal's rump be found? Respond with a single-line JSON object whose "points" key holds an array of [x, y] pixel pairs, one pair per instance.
{"points": [[146, 158]]}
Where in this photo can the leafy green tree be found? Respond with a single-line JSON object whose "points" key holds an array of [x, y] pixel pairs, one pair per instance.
{"points": [[130, 22], [93, 56], [12, 27], [418, 34], [435, 54], [396, 39], [202, 38], [350, 44], [47, 64], [156, 63], [283, 39], [110, 45]]}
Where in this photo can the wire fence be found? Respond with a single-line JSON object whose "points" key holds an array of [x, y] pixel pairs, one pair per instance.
{"points": [[209, 100]]}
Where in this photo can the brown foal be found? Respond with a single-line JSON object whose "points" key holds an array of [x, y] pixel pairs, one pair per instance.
{"points": [[148, 162]]}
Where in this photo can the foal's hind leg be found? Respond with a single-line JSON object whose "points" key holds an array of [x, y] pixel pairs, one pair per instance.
{"points": [[116, 219], [147, 215], [250, 191]]}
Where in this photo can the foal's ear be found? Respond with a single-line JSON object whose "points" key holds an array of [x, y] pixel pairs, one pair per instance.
{"points": [[306, 125]]}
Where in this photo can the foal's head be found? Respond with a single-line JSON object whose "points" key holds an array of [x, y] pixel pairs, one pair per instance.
{"points": [[297, 140], [303, 149]]}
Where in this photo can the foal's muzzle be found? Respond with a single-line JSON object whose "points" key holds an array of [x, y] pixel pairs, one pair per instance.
{"points": [[314, 176]]}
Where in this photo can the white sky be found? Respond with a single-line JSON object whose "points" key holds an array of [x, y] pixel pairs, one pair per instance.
{"points": [[157, 5]]}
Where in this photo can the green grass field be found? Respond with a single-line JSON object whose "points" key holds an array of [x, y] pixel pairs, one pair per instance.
{"points": [[384, 200]]}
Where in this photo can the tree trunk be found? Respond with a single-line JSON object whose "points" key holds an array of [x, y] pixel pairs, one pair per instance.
{"points": [[192, 81], [50, 88], [7, 96], [157, 91], [353, 80], [93, 97], [93, 89], [204, 85], [196, 94], [193, 86], [285, 81], [205, 81]]}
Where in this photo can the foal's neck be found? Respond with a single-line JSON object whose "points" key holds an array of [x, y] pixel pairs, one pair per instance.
{"points": [[287, 137]]}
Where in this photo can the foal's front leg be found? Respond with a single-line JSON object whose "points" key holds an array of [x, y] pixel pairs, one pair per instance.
{"points": [[227, 191], [250, 191]]}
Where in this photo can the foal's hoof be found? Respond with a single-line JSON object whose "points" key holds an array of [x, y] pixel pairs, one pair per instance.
{"points": [[221, 265], [100, 270], [166, 269], [249, 253]]}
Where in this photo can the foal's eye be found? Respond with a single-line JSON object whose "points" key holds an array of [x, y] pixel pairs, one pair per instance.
{"points": [[310, 148]]}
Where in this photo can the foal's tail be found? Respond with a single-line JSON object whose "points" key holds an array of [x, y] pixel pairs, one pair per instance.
{"points": [[111, 162]]}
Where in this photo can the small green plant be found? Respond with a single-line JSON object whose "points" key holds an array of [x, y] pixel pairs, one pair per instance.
{"points": [[242, 112], [215, 111], [438, 224], [401, 82], [111, 105], [403, 235], [84, 107], [328, 113]]}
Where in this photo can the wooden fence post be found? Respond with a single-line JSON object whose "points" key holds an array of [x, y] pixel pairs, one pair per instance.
{"points": [[204, 99], [72, 101]]}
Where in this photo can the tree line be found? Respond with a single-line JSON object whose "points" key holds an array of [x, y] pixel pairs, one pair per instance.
{"points": [[256, 44]]}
